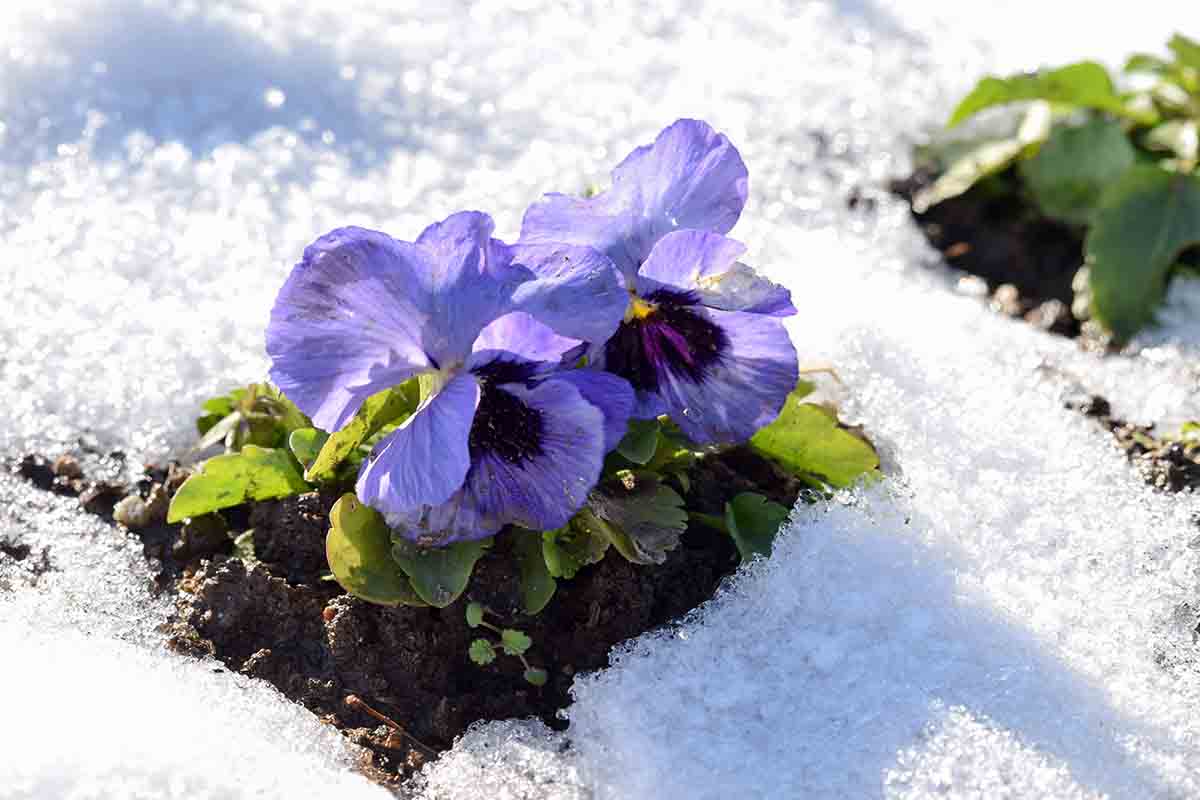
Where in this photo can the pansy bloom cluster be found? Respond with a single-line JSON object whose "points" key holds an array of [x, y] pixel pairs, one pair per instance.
{"points": [[533, 357], [558, 387]]}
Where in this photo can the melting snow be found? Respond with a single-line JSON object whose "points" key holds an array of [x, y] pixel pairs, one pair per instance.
{"points": [[1010, 615]]}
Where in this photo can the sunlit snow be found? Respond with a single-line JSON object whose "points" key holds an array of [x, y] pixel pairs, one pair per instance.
{"points": [[1011, 614]]}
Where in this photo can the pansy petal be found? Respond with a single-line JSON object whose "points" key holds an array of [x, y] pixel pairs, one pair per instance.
{"points": [[576, 290], [741, 391], [459, 519], [469, 281], [540, 492], [346, 323], [611, 394], [647, 405], [690, 177], [517, 333], [425, 460], [682, 258], [599, 222], [741, 288], [706, 264]]}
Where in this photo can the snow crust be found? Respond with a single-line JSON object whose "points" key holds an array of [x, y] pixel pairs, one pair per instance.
{"points": [[1010, 615]]}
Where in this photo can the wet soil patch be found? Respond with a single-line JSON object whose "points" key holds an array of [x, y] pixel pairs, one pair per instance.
{"points": [[1027, 261], [265, 606], [1165, 464]]}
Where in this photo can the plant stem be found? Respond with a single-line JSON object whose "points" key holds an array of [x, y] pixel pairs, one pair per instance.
{"points": [[357, 703]]}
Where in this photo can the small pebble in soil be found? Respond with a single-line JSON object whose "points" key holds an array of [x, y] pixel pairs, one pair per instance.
{"points": [[67, 466], [137, 513]]}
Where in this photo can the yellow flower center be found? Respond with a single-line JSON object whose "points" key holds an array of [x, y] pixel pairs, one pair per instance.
{"points": [[639, 309]]}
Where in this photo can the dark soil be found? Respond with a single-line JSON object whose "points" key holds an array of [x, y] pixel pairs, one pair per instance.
{"points": [[1165, 464], [278, 617], [279, 620], [1027, 260]]}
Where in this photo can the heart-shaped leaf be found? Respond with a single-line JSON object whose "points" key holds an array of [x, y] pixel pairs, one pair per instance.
{"points": [[640, 441], [306, 444], [438, 574], [1075, 165], [359, 549]]}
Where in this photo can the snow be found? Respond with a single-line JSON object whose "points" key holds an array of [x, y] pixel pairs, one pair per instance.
{"points": [[1010, 615]]}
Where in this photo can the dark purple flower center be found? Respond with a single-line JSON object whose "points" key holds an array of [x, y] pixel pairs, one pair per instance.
{"points": [[504, 426], [672, 336]]}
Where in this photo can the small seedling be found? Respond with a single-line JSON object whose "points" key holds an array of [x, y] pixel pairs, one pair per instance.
{"points": [[512, 643]]}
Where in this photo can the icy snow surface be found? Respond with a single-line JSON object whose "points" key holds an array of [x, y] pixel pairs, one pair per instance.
{"points": [[1010, 615]]}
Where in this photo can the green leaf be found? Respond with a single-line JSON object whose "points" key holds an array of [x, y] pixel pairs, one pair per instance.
{"points": [[641, 441], [1085, 84], [438, 574], [1187, 51], [474, 615], [217, 431], [1189, 432], [803, 389], [514, 642], [570, 548], [256, 414], [1145, 62], [215, 409], [1144, 221], [482, 652], [284, 410], [673, 452], [381, 408], [1072, 169], [359, 549], [988, 157], [806, 439], [536, 676], [537, 584], [228, 480], [638, 513], [753, 521], [306, 444], [259, 429]]}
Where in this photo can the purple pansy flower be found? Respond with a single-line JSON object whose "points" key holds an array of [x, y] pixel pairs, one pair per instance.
{"points": [[701, 338], [502, 435]]}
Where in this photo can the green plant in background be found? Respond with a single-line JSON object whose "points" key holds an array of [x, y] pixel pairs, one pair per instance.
{"points": [[1118, 160]]}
